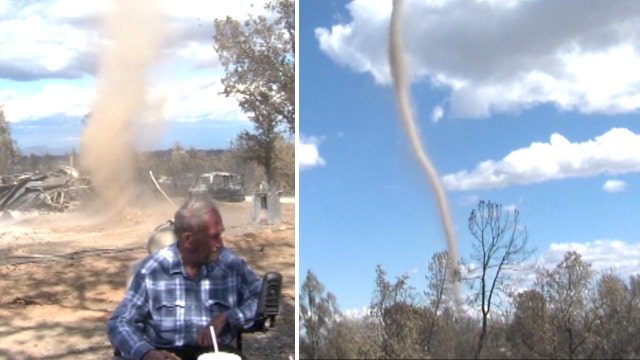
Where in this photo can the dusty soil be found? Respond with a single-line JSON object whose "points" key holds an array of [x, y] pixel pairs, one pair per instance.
{"points": [[63, 274]]}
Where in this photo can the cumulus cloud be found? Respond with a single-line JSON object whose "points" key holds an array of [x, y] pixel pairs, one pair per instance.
{"points": [[40, 41], [497, 56], [55, 40], [603, 255], [197, 99], [307, 154], [613, 186], [62, 39], [51, 100], [613, 152]]}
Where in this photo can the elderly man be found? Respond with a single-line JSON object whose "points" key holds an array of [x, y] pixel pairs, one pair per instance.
{"points": [[181, 290]]}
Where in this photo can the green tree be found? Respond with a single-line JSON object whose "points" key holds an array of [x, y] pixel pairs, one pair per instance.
{"points": [[258, 57], [260, 148], [318, 310], [285, 166], [9, 153]]}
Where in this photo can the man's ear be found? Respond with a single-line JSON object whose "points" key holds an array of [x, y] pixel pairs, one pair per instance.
{"points": [[187, 238]]}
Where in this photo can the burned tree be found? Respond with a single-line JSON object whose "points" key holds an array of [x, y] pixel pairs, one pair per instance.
{"points": [[568, 290], [529, 332], [500, 244], [439, 323]]}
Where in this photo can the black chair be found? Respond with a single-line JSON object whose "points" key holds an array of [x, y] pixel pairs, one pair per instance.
{"points": [[268, 307]]}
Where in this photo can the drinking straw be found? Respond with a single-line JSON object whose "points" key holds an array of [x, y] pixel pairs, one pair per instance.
{"points": [[213, 336]]}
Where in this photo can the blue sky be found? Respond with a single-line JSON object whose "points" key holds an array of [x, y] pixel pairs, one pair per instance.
{"points": [[52, 57], [522, 103]]}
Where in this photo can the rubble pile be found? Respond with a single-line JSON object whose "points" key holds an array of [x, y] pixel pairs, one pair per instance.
{"points": [[55, 191]]}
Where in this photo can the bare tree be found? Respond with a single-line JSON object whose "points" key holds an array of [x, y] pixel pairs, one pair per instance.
{"points": [[439, 280], [500, 243]]}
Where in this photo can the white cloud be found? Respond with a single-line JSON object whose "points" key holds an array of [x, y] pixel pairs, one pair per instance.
{"points": [[602, 254], [307, 154], [206, 10], [496, 56], [189, 100], [437, 114], [613, 186], [58, 99], [62, 41], [613, 152], [356, 313], [197, 99]]}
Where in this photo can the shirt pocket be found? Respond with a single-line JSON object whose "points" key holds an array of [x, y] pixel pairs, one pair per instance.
{"points": [[167, 318]]}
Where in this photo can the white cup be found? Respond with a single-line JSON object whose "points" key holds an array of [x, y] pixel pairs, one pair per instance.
{"points": [[220, 355]]}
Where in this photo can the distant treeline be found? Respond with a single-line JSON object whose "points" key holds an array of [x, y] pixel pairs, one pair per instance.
{"points": [[178, 167]]}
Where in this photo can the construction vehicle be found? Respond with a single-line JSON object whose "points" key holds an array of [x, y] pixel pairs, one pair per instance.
{"points": [[222, 186]]}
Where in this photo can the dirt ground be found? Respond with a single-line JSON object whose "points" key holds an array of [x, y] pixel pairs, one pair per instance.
{"points": [[62, 275]]}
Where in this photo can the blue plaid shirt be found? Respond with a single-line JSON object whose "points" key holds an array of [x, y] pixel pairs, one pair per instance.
{"points": [[163, 307]]}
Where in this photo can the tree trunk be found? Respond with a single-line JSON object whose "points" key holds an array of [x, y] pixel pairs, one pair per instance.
{"points": [[481, 339]]}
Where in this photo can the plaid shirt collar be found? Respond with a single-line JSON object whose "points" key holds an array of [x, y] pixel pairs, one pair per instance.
{"points": [[176, 265]]}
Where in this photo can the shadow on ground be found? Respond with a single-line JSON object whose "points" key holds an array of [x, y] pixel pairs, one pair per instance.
{"points": [[56, 307]]}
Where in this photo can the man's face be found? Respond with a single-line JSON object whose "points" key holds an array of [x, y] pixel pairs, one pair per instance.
{"points": [[208, 241]]}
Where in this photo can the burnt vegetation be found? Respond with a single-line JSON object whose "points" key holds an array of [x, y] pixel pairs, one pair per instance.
{"points": [[569, 311], [48, 183]]}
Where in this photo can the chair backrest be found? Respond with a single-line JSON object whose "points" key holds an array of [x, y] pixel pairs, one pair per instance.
{"points": [[268, 306], [269, 301]]}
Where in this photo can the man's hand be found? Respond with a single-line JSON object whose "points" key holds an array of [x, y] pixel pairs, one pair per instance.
{"points": [[218, 323], [159, 355]]}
